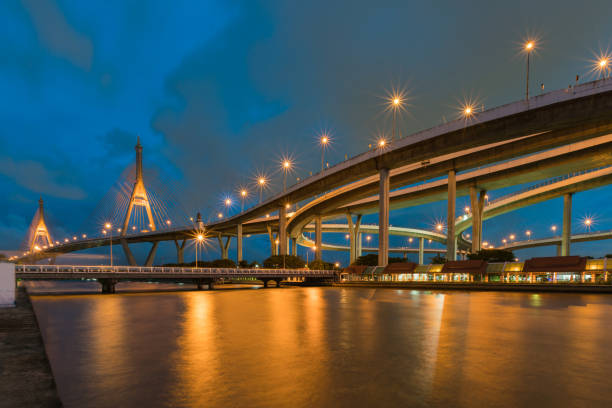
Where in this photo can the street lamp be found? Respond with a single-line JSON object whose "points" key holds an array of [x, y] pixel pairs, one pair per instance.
{"points": [[528, 233], [323, 141], [243, 195], [529, 47], [261, 182], [553, 229], [199, 240], [109, 227], [286, 168], [512, 236]]}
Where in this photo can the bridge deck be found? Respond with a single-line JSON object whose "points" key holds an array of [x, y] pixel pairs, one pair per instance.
{"points": [[158, 272]]}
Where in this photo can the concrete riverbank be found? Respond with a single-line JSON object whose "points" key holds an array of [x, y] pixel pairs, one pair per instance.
{"points": [[26, 379], [506, 287]]}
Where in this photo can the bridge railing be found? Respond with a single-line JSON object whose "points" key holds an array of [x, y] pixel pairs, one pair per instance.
{"points": [[163, 270]]}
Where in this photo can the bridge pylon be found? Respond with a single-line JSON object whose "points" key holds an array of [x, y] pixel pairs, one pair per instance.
{"points": [[139, 196], [39, 235]]}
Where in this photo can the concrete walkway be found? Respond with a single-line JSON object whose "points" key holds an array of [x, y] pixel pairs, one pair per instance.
{"points": [[26, 379]]}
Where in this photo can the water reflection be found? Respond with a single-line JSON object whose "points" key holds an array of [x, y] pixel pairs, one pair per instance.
{"points": [[329, 347]]}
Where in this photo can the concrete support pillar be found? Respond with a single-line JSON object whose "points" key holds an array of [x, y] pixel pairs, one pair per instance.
{"points": [[238, 243], [224, 246], [358, 246], [272, 240], [451, 254], [353, 236], [559, 250], [108, 285], [294, 246], [477, 199], [383, 218], [567, 224], [282, 230], [151, 256], [318, 236], [180, 250], [421, 251], [128, 254]]}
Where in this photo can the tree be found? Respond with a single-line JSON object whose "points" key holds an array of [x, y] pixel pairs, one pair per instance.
{"points": [[319, 265], [372, 260], [288, 261], [438, 260], [493, 255], [222, 263], [243, 264], [367, 260]]}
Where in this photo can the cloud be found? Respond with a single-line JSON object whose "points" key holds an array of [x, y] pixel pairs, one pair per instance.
{"points": [[55, 33], [33, 176]]}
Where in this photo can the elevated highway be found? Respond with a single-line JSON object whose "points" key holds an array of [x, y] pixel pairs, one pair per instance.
{"points": [[512, 131]]}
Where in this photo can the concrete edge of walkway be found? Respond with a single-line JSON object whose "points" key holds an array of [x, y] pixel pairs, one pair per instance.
{"points": [[26, 378]]}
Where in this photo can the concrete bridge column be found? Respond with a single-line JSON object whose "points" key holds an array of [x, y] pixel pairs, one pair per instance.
{"points": [[108, 285], [383, 218], [358, 245], [294, 246], [239, 243], [421, 251], [224, 247], [567, 224], [282, 230], [272, 240], [451, 254], [318, 236], [180, 251], [477, 203], [128, 254], [353, 236], [151, 256]]}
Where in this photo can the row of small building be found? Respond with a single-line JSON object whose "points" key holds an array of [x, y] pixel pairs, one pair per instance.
{"points": [[557, 269]]}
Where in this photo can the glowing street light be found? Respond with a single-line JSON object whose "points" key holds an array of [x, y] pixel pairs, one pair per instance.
{"points": [[528, 233], [602, 64], [199, 241], [286, 168], [512, 236], [504, 241], [528, 48], [382, 142], [109, 227], [588, 222], [439, 226], [553, 228], [220, 215], [324, 140], [243, 195], [261, 183]]}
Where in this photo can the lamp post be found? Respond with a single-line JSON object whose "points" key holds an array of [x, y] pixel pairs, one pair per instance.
{"points": [[261, 182], [529, 46], [228, 204], [285, 167], [109, 227], [199, 239], [243, 195], [324, 141]]}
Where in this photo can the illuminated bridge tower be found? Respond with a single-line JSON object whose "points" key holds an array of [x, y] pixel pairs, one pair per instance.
{"points": [[139, 195], [139, 198], [39, 236]]}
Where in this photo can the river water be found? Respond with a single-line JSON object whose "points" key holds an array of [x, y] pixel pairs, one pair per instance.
{"points": [[329, 347]]}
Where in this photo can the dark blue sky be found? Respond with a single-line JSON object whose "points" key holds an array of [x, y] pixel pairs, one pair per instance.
{"points": [[219, 90]]}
